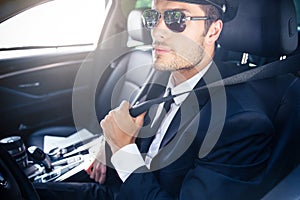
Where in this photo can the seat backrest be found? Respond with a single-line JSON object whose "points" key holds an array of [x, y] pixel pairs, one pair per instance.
{"points": [[268, 29], [127, 74], [265, 30]]}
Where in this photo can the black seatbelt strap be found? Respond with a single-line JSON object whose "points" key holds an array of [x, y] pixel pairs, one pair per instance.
{"points": [[280, 67]]}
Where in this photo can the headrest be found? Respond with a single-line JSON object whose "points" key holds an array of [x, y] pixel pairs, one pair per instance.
{"points": [[136, 29], [264, 28]]}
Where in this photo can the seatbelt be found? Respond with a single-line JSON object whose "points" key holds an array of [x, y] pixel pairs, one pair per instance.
{"points": [[280, 67]]}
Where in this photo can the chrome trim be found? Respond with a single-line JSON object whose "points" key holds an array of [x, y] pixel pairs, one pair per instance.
{"points": [[49, 66]]}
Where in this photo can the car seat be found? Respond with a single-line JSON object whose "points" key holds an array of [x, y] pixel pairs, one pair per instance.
{"points": [[119, 82], [268, 29]]}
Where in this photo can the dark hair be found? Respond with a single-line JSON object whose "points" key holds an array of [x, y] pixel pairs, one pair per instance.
{"points": [[213, 13]]}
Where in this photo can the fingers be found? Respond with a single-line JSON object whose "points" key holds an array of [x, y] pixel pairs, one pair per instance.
{"points": [[103, 174], [98, 172], [124, 121], [119, 128], [124, 106], [121, 119]]}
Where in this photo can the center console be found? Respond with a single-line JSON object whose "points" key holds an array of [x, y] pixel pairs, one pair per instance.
{"points": [[61, 158]]}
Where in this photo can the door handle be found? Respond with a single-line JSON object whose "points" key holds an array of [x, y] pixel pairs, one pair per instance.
{"points": [[28, 85]]}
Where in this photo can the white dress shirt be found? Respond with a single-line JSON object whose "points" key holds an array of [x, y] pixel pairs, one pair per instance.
{"points": [[128, 158]]}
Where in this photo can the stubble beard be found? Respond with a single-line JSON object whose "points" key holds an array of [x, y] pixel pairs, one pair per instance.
{"points": [[176, 62]]}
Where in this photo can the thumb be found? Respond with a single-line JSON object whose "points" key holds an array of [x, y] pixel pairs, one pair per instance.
{"points": [[139, 120]]}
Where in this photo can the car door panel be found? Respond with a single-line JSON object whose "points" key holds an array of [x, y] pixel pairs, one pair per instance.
{"points": [[37, 92]]}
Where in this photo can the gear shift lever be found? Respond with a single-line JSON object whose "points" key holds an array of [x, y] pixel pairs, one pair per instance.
{"points": [[41, 157]]}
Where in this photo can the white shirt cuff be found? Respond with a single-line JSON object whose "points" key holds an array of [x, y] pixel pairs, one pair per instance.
{"points": [[126, 160]]}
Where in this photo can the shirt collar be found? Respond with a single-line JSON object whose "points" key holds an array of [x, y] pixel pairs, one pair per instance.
{"points": [[185, 86]]}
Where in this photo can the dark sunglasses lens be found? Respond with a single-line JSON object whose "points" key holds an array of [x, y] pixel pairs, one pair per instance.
{"points": [[175, 20], [150, 18]]}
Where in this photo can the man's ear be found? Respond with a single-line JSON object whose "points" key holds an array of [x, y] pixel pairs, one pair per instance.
{"points": [[214, 32]]}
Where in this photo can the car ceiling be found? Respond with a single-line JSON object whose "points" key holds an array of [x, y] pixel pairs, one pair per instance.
{"points": [[9, 8]]}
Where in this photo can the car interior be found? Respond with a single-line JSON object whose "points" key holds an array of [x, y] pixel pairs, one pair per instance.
{"points": [[121, 82], [262, 32]]}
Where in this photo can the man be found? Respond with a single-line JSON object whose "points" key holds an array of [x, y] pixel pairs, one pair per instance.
{"points": [[184, 66], [210, 144], [171, 163]]}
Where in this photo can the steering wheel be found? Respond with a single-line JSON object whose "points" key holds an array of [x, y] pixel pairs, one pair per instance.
{"points": [[13, 182]]}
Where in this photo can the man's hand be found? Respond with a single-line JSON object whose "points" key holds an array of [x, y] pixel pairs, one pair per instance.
{"points": [[120, 128], [97, 170]]}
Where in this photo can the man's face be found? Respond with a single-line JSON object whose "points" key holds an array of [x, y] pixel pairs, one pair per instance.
{"points": [[178, 51]]}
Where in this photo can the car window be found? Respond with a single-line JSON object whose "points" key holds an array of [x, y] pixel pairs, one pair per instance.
{"points": [[143, 4], [58, 23]]}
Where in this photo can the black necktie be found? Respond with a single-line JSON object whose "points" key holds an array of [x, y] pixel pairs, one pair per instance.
{"points": [[167, 104], [173, 127]]}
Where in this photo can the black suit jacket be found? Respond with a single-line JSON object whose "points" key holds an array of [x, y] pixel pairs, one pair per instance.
{"points": [[224, 147]]}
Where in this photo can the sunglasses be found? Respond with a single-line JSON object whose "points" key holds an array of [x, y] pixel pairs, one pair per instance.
{"points": [[175, 20]]}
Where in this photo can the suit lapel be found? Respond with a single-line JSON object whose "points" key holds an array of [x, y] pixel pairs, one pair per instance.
{"points": [[172, 129]]}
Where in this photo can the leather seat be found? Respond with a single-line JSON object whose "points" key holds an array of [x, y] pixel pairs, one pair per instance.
{"points": [[268, 30], [121, 82]]}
